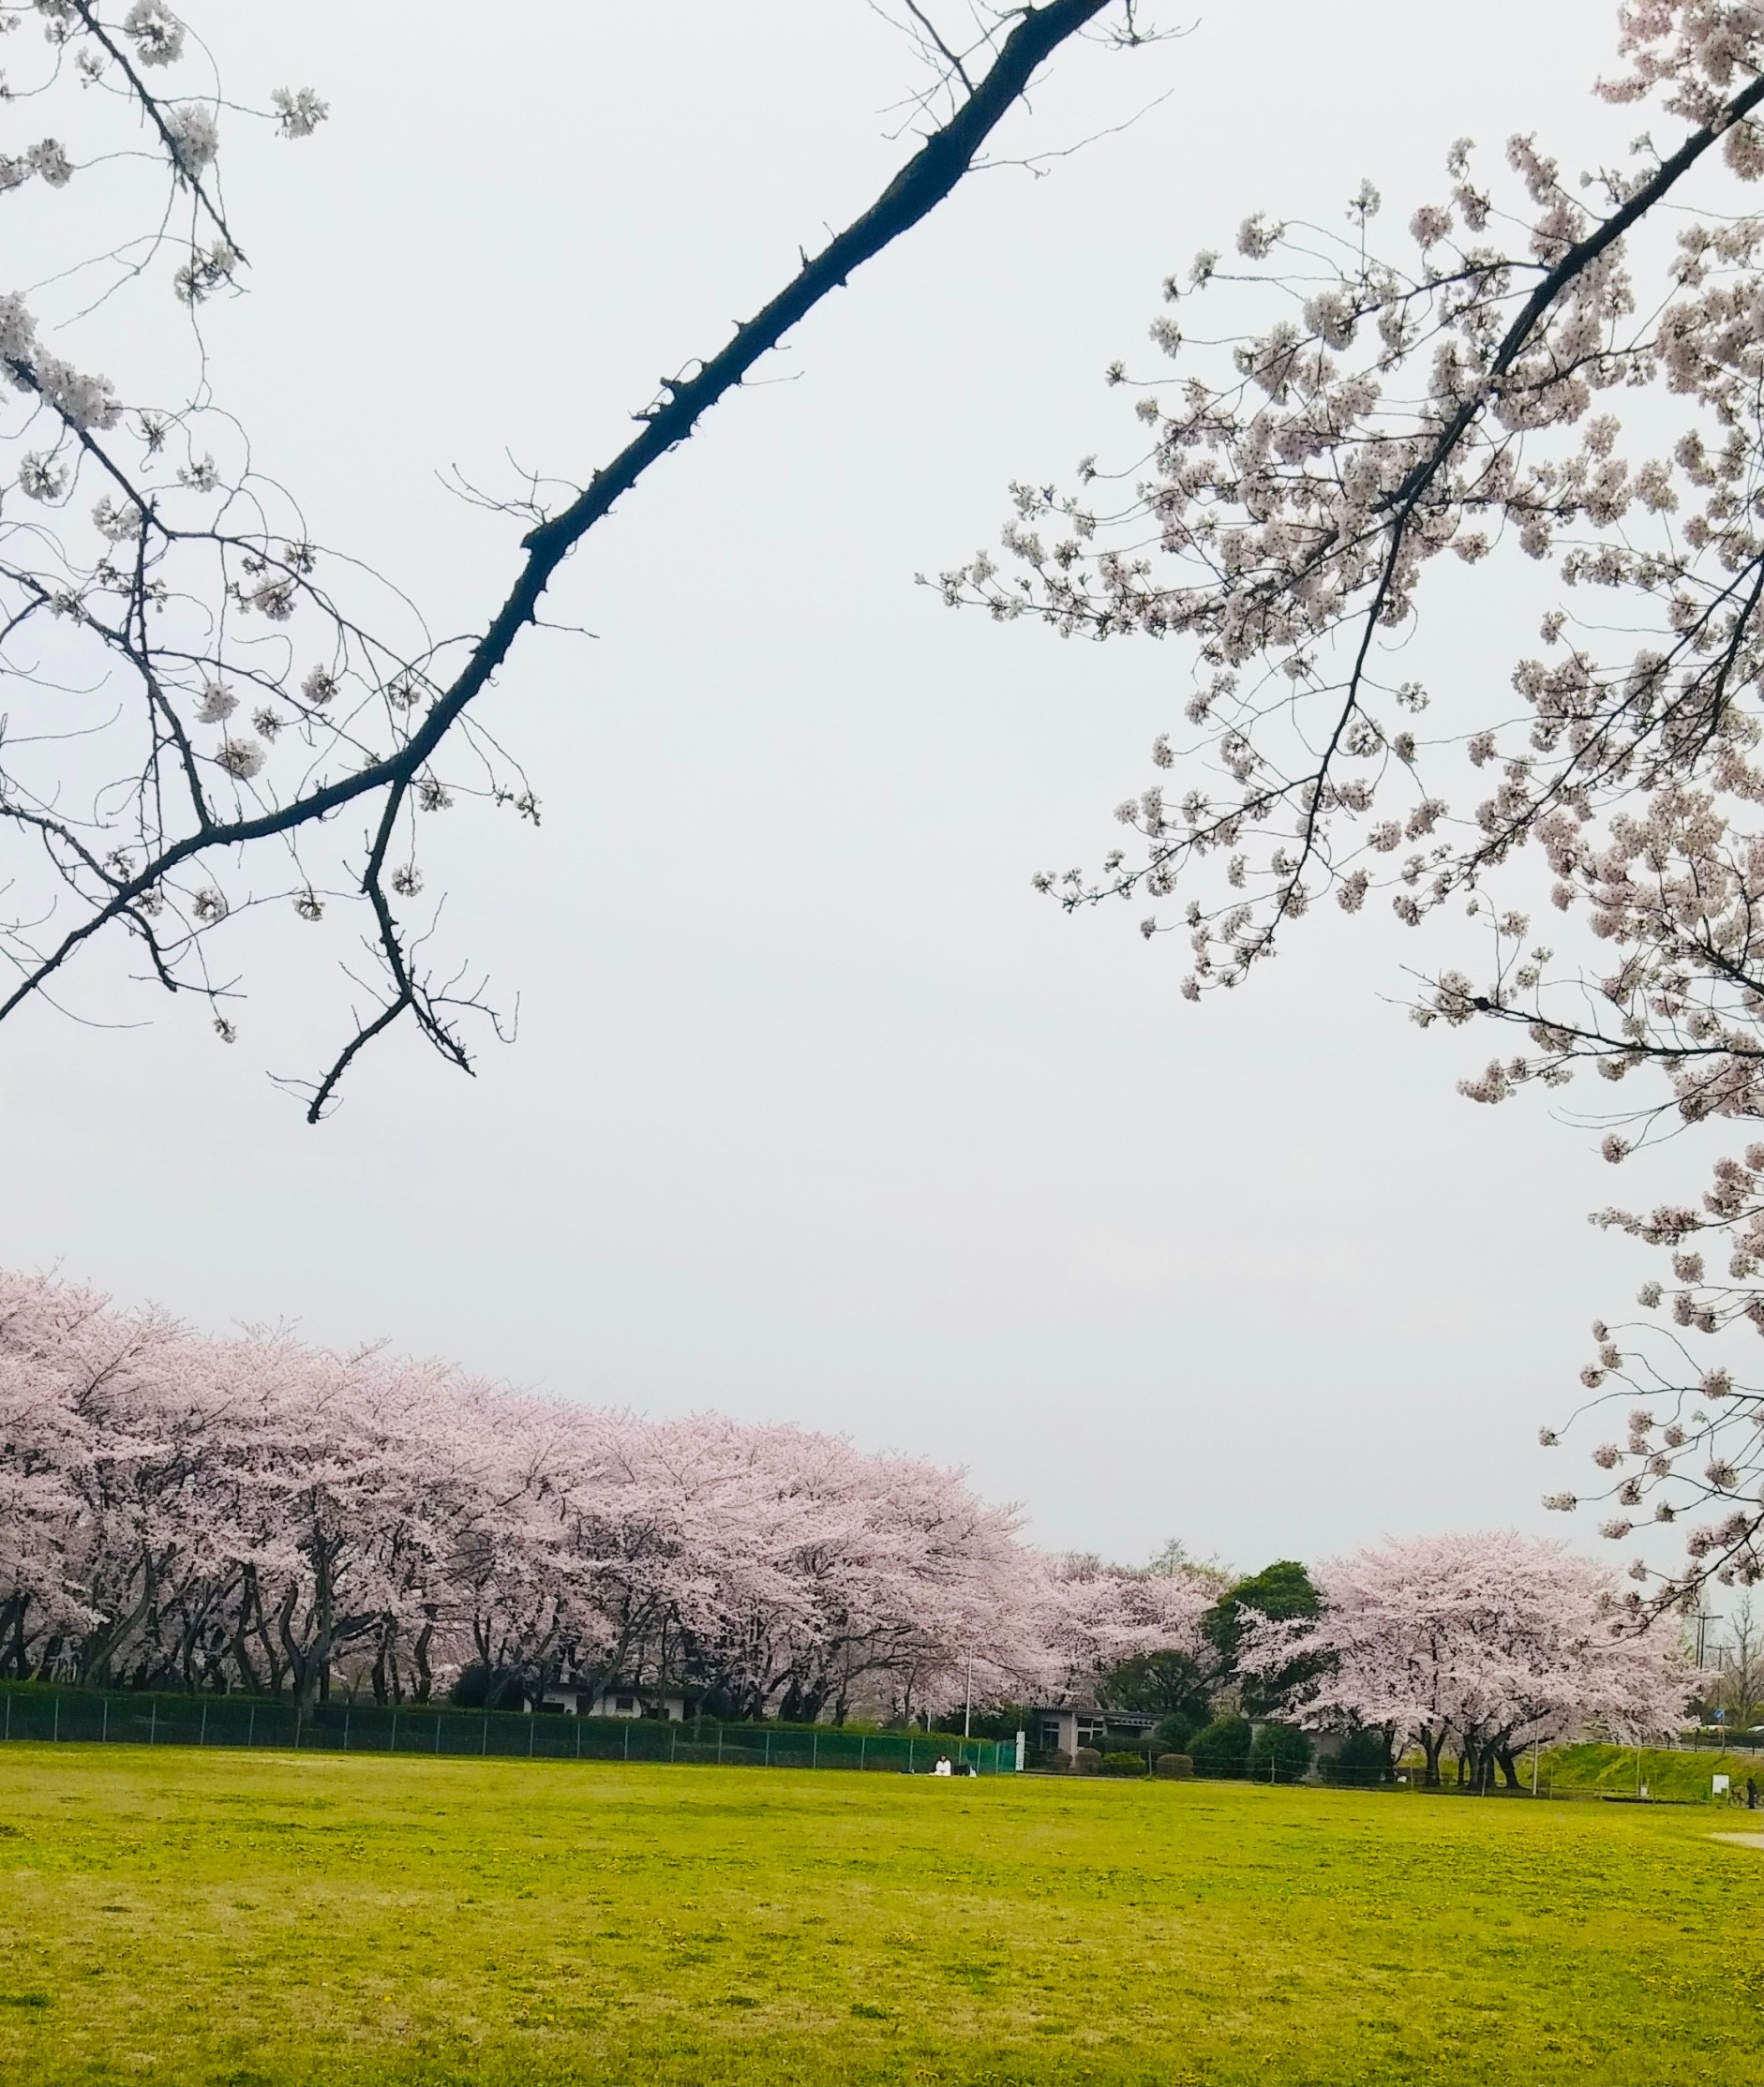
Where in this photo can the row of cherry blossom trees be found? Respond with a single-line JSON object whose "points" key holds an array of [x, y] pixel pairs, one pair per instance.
{"points": [[1479, 1643], [254, 1513]]}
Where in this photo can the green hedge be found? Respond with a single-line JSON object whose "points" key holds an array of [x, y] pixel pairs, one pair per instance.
{"points": [[1221, 1748], [1280, 1752], [1124, 1763]]}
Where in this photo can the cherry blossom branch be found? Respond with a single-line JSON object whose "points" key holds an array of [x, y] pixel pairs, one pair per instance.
{"points": [[427, 706], [179, 146], [1281, 525]]}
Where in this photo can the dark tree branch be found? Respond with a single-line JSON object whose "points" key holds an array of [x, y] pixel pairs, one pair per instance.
{"points": [[923, 182]]}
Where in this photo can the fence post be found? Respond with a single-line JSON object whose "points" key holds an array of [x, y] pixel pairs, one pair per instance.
{"points": [[299, 1713], [533, 1733], [673, 1741], [201, 1735], [153, 1722], [579, 1734], [863, 1740], [438, 1732], [815, 1750], [484, 1733], [57, 1725], [768, 1750], [910, 1753], [718, 1746], [392, 1744], [104, 1720], [627, 1742], [346, 1711], [250, 1726]]}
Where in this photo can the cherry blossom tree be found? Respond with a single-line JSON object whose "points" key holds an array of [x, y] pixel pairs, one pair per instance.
{"points": [[1557, 380], [57, 1348], [1484, 1642], [209, 714], [246, 1508], [1090, 1619]]}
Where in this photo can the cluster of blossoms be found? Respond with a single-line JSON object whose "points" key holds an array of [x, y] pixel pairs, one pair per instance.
{"points": [[1460, 400], [255, 1513], [1483, 1644]]}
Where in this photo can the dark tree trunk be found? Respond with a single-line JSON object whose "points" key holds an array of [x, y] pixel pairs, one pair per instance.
{"points": [[285, 1631], [12, 1629], [102, 1647]]}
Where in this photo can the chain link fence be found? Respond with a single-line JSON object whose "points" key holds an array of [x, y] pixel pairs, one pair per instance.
{"points": [[127, 1719]]}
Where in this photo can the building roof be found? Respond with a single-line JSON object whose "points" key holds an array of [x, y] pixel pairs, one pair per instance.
{"points": [[1094, 1713]]}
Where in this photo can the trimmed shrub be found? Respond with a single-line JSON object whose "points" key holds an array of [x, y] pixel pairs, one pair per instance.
{"points": [[482, 1688], [1222, 1748], [1173, 1764], [1361, 1757], [1173, 1735], [1087, 1761], [1124, 1764], [1057, 1757], [1280, 1752]]}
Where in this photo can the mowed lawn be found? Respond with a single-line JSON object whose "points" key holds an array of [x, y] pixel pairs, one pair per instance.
{"points": [[255, 1919]]}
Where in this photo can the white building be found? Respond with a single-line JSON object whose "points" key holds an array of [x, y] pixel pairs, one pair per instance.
{"points": [[1071, 1725], [614, 1701]]}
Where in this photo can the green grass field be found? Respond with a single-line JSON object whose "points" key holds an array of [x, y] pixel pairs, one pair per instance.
{"points": [[266, 1919]]}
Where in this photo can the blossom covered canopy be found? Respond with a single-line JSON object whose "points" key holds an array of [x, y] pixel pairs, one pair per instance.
{"points": [[255, 1513], [1491, 1640]]}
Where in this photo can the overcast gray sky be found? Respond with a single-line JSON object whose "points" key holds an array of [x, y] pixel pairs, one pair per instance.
{"points": [[818, 1111]]}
